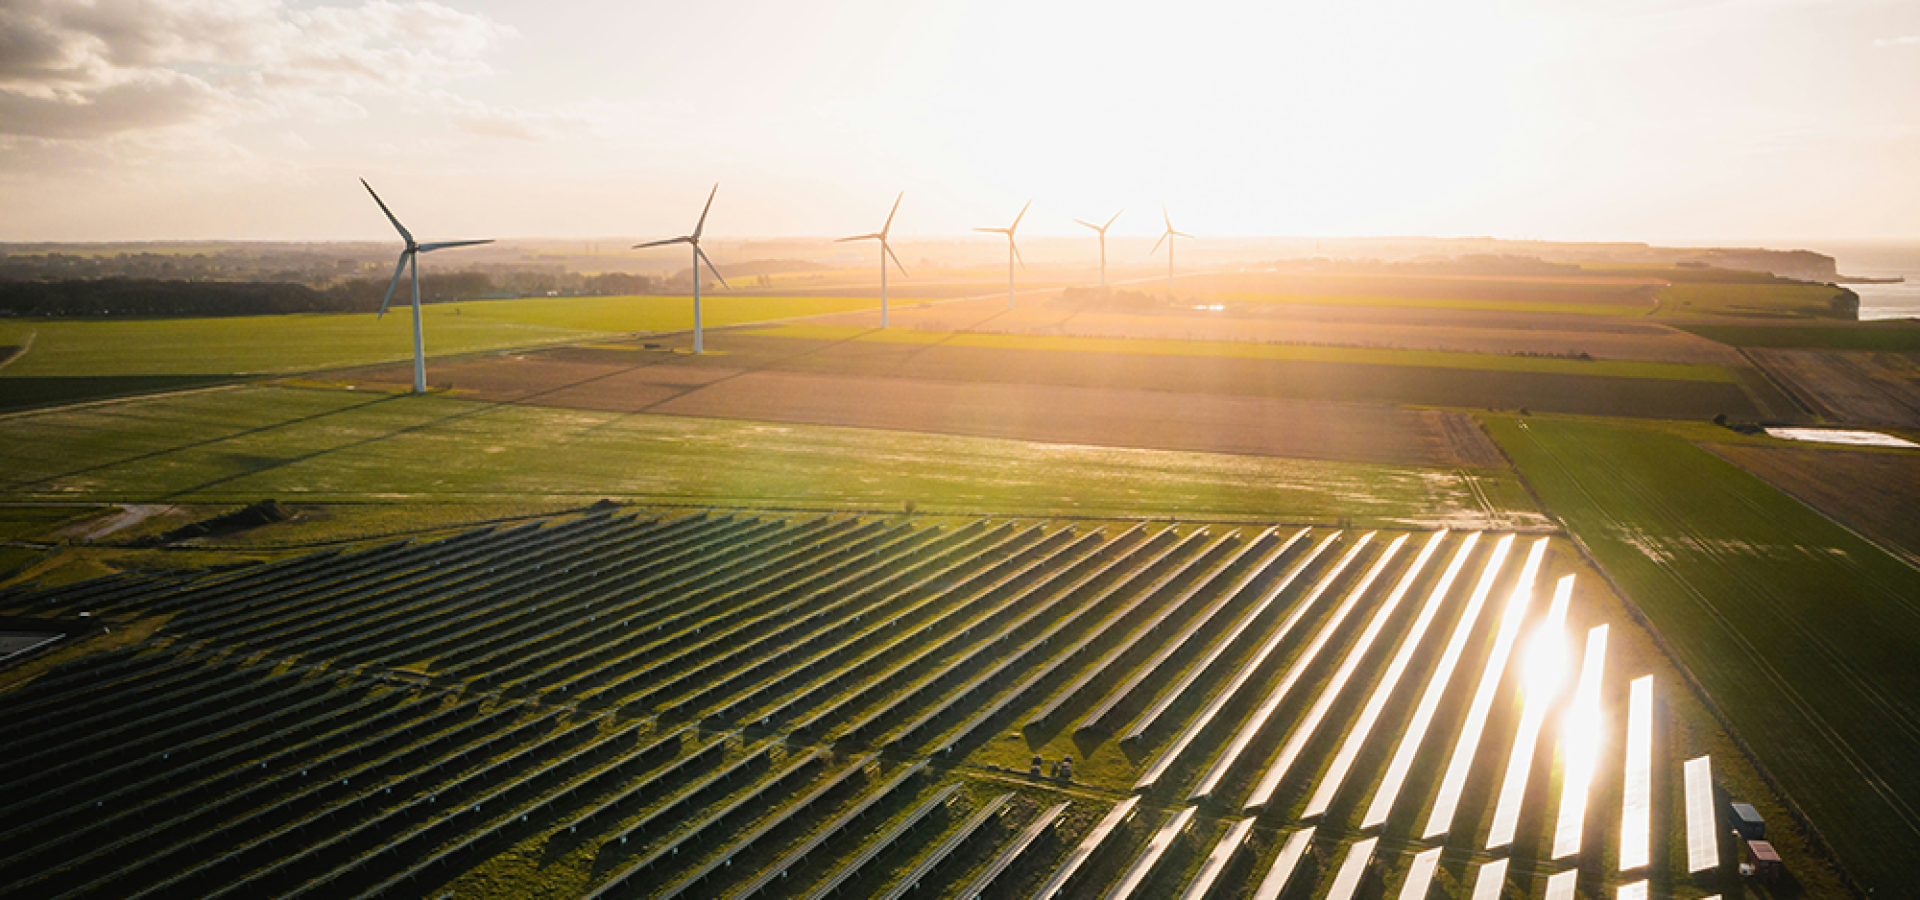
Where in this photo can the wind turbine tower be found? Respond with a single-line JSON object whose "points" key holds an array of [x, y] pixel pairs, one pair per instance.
{"points": [[1103, 244], [1168, 236], [1013, 252], [411, 257], [699, 256], [885, 251]]}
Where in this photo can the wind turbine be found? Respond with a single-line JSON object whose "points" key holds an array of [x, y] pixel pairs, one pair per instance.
{"points": [[699, 257], [1168, 236], [1103, 244], [1013, 252], [885, 251], [412, 255]]}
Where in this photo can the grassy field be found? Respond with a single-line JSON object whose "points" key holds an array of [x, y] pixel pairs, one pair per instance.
{"points": [[1892, 336], [281, 344], [1537, 306], [1488, 362], [315, 445], [1755, 301], [1801, 631]]}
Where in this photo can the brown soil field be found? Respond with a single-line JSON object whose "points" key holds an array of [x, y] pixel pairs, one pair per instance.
{"points": [[1631, 290], [1469, 331], [1873, 492], [678, 385], [1850, 386]]}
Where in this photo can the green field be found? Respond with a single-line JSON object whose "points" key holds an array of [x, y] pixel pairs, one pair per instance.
{"points": [[1898, 337], [1756, 301], [312, 445], [1521, 306], [282, 344], [1801, 631], [1440, 359]]}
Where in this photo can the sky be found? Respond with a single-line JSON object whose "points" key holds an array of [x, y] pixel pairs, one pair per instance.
{"points": [[1671, 121]]}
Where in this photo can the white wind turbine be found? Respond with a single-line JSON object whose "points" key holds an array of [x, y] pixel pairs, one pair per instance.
{"points": [[886, 250], [1168, 236], [412, 255], [699, 256], [1013, 252], [1103, 243]]}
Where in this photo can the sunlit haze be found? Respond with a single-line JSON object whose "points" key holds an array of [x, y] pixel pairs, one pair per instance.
{"points": [[1663, 121]]}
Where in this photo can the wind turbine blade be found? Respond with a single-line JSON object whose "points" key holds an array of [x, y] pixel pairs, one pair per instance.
{"points": [[397, 271], [390, 217], [994, 230], [861, 237], [1166, 215], [1089, 224], [1156, 244], [1180, 234], [896, 208], [442, 245], [1016, 251], [896, 260], [710, 268], [1016, 219], [1116, 218], [683, 239], [702, 224]]}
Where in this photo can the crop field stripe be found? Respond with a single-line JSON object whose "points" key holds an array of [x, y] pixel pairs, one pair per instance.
{"points": [[1150, 855], [794, 857], [1357, 736], [882, 843], [1204, 574], [1420, 875], [1256, 723], [1539, 699], [1467, 746], [1012, 852], [1281, 872], [1253, 664], [910, 882], [1151, 667], [1216, 862], [1346, 881], [1361, 649], [1580, 730], [793, 766], [1083, 851], [1490, 880], [1089, 608], [822, 711], [1561, 885], [1636, 795], [1388, 792], [1138, 727], [1703, 832]]}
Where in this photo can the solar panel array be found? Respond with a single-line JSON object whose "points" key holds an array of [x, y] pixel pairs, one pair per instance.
{"points": [[739, 704]]}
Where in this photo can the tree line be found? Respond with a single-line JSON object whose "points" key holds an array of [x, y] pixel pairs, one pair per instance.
{"points": [[153, 297]]}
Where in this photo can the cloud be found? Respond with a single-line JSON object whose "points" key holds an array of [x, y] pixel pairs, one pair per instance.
{"points": [[79, 70], [1911, 40]]}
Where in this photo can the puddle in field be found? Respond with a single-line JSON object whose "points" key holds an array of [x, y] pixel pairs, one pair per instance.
{"points": [[1841, 436]]}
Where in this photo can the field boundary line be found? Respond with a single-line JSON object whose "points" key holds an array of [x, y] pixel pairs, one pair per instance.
{"points": [[31, 334]]}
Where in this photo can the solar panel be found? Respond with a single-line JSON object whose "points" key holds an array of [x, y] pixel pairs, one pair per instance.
{"points": [[1703, 834], [1636, 805]]}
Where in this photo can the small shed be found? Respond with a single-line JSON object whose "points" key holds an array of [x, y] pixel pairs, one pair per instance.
{"points": [[1747, 821], [1765, 862]]}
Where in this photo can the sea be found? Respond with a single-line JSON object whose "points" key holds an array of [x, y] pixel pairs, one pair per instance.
{"points": [[1879, 259]]}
